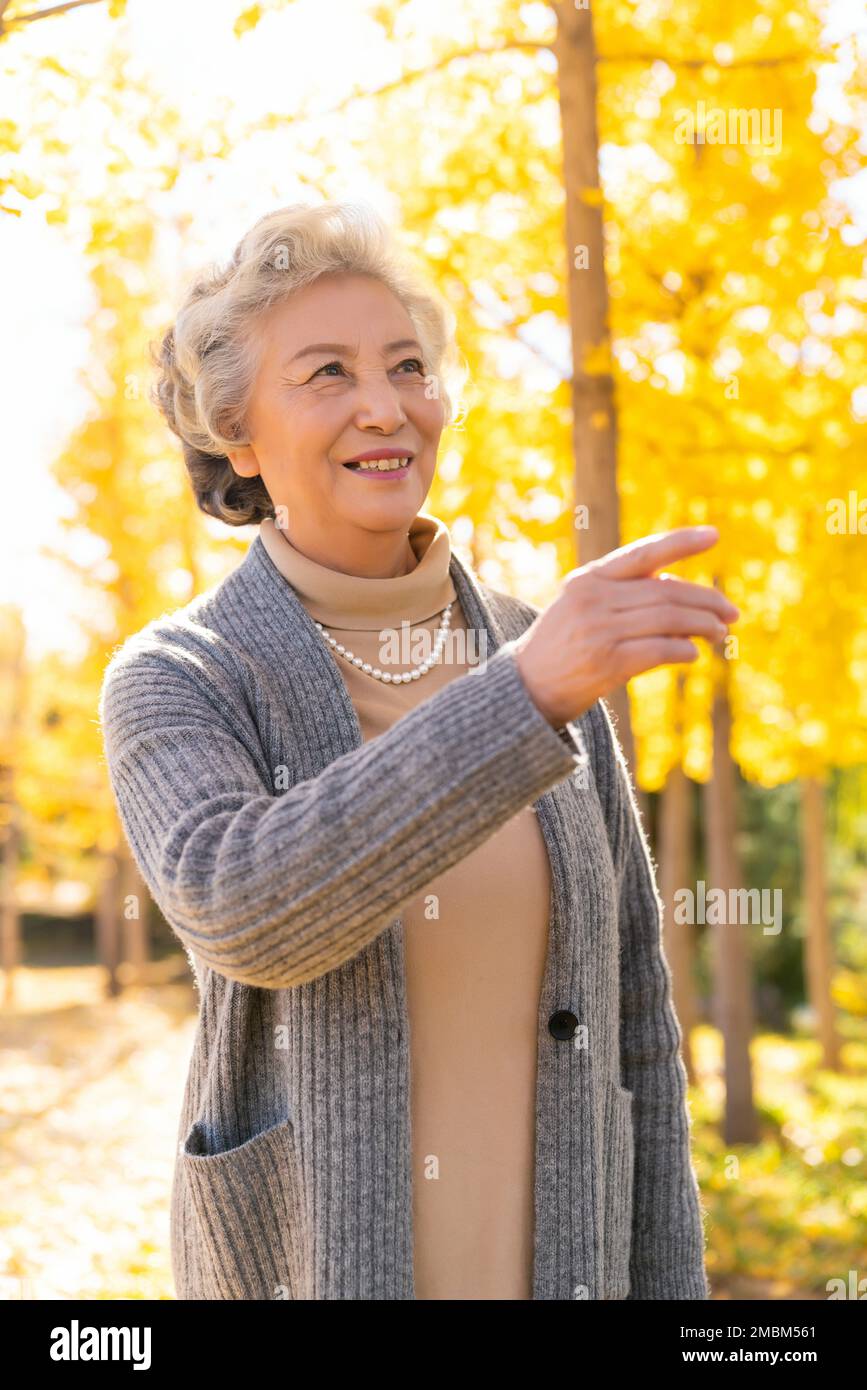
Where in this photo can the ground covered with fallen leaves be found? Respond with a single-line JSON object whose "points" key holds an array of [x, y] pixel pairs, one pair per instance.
{"points": [[90, 1095]]}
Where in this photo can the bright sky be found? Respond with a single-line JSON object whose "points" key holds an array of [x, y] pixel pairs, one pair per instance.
{"points": [[308, 56]]}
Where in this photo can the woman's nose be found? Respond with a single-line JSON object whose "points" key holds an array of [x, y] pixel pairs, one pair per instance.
{"points": [[378, 401]]}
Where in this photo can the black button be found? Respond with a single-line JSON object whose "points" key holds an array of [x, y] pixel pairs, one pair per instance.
{"points": [[562, 1025]]}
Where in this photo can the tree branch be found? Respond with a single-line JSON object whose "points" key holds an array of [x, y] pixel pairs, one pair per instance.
{"points": [[6, 25]]}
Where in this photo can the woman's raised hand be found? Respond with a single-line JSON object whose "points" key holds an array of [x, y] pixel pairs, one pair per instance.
{"points": [[616, 617]]}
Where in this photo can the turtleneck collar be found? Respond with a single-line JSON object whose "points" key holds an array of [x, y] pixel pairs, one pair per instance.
{"points": [[349, 601]]}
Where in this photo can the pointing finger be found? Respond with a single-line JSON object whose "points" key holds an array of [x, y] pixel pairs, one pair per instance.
{"points": [[644, 557]]}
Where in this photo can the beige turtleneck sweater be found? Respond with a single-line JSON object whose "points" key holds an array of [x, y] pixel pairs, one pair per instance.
{"points": [[476, 941]]}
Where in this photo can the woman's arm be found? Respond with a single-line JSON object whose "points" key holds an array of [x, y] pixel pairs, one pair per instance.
{"points": [[275, 889], [667, 1259]]}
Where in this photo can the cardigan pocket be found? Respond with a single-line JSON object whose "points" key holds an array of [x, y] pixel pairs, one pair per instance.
{"points": [[245, 1217], [619, 1162]]}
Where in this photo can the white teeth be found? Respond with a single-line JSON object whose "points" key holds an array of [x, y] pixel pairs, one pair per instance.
{"points": [[384, 465]]}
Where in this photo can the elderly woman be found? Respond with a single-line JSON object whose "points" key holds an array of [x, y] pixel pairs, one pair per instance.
{"points": [[436, 1053]]}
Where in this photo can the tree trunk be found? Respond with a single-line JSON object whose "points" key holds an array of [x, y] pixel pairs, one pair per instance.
{"points": [[14, 642], [819, 949], [732, 973], [108, 921], [134, 905], [10, 919], [675, 872], [594, 421]]}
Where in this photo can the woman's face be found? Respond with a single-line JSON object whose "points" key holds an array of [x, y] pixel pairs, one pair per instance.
{"points": [[342, 374]]}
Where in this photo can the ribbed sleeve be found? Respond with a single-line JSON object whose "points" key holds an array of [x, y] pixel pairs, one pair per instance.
{"points": [[274, 889]]}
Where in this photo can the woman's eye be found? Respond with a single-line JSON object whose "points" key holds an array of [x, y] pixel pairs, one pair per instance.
{"points": [[413, 362]]}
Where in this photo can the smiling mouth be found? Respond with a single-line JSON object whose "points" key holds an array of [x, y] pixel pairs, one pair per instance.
{"points": [[379, 466]]}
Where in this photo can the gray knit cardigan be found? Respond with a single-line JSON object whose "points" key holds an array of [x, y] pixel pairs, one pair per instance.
{"points": [[280, 847]]}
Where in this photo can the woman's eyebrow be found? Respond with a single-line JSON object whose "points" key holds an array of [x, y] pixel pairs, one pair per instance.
{"points": [[349, 351]]}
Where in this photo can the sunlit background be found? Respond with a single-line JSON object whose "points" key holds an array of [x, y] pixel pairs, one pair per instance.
{"points": [[140, 140]]}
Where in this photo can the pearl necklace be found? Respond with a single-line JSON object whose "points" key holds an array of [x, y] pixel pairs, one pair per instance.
{"points": [[385, 676]]}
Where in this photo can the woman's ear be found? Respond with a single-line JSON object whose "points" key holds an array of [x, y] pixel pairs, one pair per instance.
{"points": [[244, 461]]}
